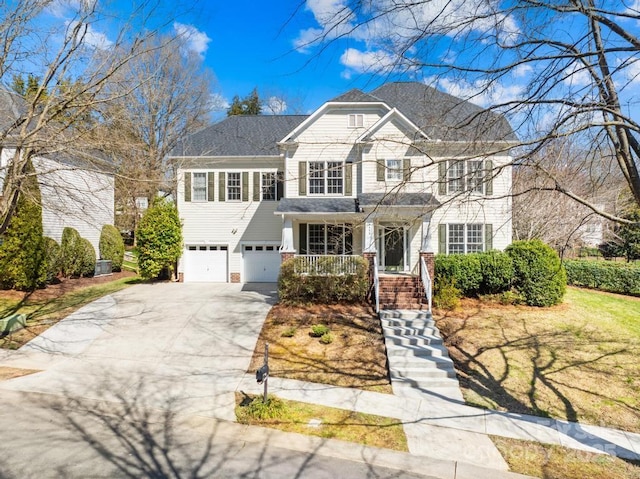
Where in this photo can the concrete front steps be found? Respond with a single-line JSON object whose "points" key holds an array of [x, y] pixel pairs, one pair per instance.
{"points": [[418, 360]]}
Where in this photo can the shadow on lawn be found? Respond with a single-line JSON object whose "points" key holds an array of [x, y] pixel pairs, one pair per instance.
{"points": [[546, 355]]}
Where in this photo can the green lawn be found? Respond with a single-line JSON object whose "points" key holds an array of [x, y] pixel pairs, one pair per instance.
{"points": [[576, 361]]}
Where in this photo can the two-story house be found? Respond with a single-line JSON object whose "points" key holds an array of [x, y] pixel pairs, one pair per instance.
{"points": [[392, 174]]}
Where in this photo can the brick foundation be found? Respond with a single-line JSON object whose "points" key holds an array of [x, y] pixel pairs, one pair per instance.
{"points": [[285, 256], [235, 277], [429, 259], [180, 277]]}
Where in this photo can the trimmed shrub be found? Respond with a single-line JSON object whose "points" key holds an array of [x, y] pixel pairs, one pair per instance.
{"points": [[22, 253], [318, 330], [446, 296], [112, 246], [497, 272], [159, 239], [539, 275], [623, 278], [464, 270], [326, 338], [71, 252], [52, 254], [87, 260], [328, 282]]}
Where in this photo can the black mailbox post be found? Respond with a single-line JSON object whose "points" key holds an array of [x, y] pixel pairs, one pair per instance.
{"points": [[262, 374]]}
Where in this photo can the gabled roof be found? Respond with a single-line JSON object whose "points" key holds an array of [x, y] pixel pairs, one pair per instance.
{"points": [[240, 135], [442, 116], [355, 96]]}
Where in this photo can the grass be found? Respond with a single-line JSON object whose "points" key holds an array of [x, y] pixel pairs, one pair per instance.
{"points": [[43, 311], [293, 416], [355, 356], [556, 462], [576, 361]]}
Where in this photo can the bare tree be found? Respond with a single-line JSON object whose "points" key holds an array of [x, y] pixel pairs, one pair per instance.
{"points": [[74, 63], [556, 69], [158, 98]]}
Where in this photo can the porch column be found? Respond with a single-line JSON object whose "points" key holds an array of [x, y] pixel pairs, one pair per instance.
{"points": [[426, 246], [369, 236], [287, 236]]}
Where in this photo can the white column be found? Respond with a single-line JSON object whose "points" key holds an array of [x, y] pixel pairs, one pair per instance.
{"points": [[427, 247], [287, 236], [369, 237]]}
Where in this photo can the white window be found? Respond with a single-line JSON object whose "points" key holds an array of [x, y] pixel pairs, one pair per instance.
{"points": [[199, 187], [234, 187], [356, 120], [465, 238], [465, 176], [268, 186], [328, 239], [326, 177], [393, 170]]}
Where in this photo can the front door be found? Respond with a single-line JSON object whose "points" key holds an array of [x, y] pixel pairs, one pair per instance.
{"points": [[392, 248]]}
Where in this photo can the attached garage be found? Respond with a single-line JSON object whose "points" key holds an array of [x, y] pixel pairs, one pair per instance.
{"points": [[261, 263], [206, 263]]}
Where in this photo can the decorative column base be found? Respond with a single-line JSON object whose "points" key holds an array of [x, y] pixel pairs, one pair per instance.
{"points": [[235, 277], [285, 255]]}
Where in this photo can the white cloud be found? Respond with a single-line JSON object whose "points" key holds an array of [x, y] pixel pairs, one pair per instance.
{"points": [[89, 36], [521, 71], [480, 92], [360, 62], [275, 105], [67, 8], [196, 40]]}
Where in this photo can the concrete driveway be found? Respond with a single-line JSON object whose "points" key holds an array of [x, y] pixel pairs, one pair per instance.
{"points": [[178, 347]]}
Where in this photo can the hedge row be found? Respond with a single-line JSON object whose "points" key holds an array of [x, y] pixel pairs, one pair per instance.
{"points": [[327, 283], [623, 278], [532, 268]]}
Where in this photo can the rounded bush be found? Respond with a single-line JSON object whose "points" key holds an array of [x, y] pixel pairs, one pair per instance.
{"points": [[497, 272], [70, 252], [159, 236], [87, 260], [538, 272], [52, 253], [464, 270], [112, 246]]}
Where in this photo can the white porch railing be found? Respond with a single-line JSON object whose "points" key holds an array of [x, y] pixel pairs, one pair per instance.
{"points": [[426, 281], [325, 265], [376, 283]]}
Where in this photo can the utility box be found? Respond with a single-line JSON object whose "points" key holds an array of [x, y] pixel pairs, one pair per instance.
{"points": [[103, 266]]}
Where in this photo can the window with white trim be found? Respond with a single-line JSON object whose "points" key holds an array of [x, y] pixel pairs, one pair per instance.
{"points": [[326, 177], [465, 238], [393, 170], [466, 175], [329, 239], [234, 186], [475, 171], [356, 120], [199, 187], [268, 186]]}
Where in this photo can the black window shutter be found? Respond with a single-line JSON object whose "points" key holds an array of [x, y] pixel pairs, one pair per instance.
{"points": [[488, 177], [302, 178], [406, 168], [442, 178], [222, 189], [348, 179], [256, 186], [187, 186], [442, 239], [380, 167], [279, 185], [245, 186], [302, 240], [211, 186]]}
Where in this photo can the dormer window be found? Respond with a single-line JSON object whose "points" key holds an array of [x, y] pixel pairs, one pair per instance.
{"points": [[356, 120]]}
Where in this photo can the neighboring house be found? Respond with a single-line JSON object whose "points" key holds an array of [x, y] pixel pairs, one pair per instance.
{"points": [[76, 190], [392, 174]]}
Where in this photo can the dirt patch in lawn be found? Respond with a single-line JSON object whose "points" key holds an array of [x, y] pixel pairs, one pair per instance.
{"points": [[10, 373], [354, 358], [577, 361]]}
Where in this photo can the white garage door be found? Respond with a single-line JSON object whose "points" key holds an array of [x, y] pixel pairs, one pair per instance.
{"points": [[205, 263], [261, 263]]}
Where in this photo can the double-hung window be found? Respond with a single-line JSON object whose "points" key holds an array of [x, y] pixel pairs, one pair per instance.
{"points": [[393, 170], [199, 187], [465, 238], [356, 120], [326, 177], [234, 187], [455, 177], [475, 173], [268, 186], [327, 239], [465, 175]]}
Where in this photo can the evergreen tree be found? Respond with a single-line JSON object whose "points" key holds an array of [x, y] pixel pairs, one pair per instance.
{"points": [[159, 239], [249, 105], [23, 262]]}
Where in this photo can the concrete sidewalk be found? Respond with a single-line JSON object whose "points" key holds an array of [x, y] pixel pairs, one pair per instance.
{"points": [[433, 419]]}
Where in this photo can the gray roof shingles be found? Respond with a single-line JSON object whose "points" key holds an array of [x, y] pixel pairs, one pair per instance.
{"points": [[317, 205], [397, 199], [240, 135]]}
